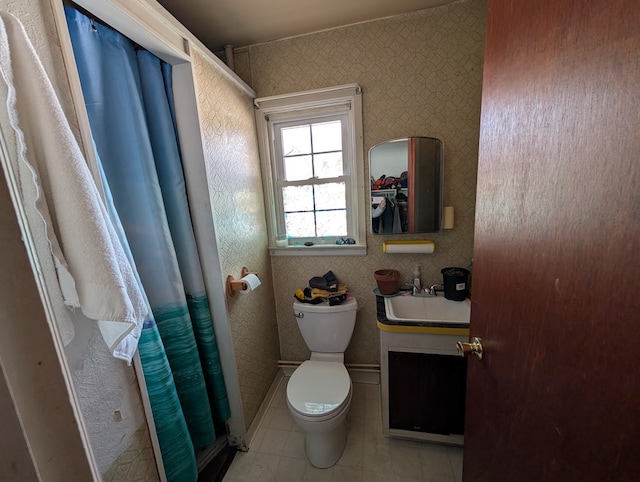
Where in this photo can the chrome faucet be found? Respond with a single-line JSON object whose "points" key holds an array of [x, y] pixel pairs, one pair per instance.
{"points": [[423, 292], [432, 289], [414, 289]]}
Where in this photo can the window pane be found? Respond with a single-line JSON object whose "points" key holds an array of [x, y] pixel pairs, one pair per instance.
{"points": [[297, 168], [332, 223], [297, 198], [300, 225], [327, 136], [330, 196], [328, 165], [296, 140]]}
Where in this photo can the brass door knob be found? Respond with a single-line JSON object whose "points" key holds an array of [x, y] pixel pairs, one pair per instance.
{"points": [[466, 348]]}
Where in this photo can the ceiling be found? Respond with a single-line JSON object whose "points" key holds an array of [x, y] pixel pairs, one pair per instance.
{"points": [[246, 22]]}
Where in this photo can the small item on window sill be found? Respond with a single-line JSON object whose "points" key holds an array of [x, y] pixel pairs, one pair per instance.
{"points": [[308, 243], [341, 241]]}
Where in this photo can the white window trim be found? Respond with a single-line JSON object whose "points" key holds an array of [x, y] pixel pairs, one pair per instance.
{"points": [[314, 99]]}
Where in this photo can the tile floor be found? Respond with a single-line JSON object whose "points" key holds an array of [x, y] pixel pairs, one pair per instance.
{"points": [[277, 453]]}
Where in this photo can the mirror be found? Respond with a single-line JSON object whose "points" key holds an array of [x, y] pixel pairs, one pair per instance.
{"points": [[406, 185]]}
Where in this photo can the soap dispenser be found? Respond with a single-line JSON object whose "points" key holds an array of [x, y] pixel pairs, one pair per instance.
{"points": [[417, 288]]}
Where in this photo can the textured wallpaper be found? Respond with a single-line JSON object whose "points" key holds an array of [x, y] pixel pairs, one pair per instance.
{"points": [[421, 74], [235, 189]]}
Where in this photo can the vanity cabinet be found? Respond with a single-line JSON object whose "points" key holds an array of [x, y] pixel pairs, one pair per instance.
{"points": [[423, 383], [427, 392]]}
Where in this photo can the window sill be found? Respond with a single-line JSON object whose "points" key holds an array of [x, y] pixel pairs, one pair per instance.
{"points": [[320, 250]]}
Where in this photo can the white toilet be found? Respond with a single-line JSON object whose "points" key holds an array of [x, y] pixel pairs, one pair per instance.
{"points": [[319, 391]]}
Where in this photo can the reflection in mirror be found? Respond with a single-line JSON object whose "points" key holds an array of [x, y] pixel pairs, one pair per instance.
{"points": [[406, 185]]}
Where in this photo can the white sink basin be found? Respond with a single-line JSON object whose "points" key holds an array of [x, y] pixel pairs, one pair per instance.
{"points": [[434, 309]]}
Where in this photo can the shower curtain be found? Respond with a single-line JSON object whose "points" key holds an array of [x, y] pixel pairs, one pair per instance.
{"points": [[128, 96]]}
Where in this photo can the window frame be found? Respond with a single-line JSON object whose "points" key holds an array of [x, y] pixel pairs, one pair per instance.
{"points": [[306, 118], [308, 107]]}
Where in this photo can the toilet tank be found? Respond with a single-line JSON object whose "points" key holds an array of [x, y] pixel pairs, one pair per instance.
{"points": [[325, 328]]}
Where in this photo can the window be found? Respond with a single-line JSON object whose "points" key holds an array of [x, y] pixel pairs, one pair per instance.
{"points": [[312, 159]]}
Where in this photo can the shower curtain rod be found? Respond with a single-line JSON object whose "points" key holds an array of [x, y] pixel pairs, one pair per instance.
{"points": [[94, 18]]}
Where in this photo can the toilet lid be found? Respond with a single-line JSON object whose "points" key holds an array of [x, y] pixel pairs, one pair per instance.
{"points": [[318, 388]]}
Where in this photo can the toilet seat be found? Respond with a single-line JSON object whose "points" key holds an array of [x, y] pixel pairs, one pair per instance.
{"points": [[318, 390]]}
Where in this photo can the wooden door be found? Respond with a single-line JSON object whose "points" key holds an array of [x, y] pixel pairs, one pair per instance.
{"points": [[556, 280]]}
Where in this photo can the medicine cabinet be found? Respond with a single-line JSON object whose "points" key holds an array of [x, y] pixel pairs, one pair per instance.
{"points": [[406, 185]]}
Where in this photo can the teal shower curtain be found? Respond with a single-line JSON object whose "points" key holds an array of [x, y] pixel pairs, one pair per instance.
{"points": [[128, 96]]}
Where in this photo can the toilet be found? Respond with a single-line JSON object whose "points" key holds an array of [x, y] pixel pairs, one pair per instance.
{"points": [[319, 390]]}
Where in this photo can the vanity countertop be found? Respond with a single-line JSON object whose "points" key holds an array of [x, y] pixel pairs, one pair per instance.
{"points": [[434, 328]]}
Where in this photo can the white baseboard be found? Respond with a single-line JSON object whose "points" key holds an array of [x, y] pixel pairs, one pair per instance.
{"points": [[364, 376], [359, 374]]}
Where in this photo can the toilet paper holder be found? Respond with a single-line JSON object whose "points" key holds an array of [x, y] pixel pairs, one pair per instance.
{"points": [[237, 285]]}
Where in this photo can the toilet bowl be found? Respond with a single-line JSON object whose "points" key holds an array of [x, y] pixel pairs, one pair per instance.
{"points": [[318, 397], [319, 390]]}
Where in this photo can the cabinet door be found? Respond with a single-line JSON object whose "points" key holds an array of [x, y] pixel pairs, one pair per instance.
{"points": [[427, 392]]}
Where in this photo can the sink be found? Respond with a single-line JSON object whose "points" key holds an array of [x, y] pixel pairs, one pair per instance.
{"points": [[433, 309]]}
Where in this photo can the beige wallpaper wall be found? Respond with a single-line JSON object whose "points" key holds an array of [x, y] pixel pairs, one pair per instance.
{"points": [[421, 74], [235, 188]]}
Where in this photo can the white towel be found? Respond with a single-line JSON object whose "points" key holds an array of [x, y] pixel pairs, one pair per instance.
{"points": [[92, 268]]}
